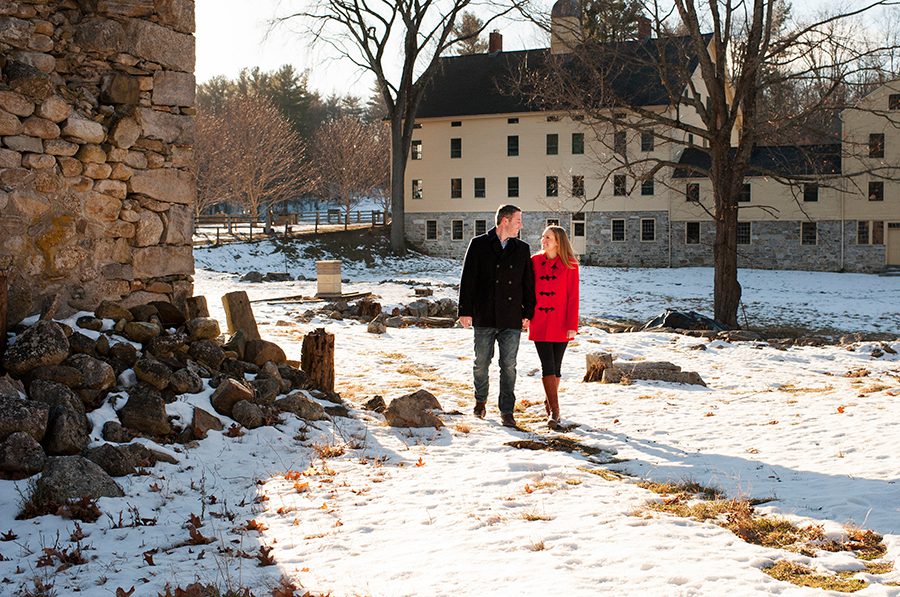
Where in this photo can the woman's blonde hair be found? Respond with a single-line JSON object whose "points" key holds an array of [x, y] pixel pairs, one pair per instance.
{"points": [[563, 246]]}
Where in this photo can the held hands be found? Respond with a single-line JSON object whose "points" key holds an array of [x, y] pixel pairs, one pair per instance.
{"points": [[465, 321], [525, 324], [571, 334]]}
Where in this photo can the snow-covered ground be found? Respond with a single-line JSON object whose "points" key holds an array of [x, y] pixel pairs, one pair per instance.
{"points": [[353, 507]]}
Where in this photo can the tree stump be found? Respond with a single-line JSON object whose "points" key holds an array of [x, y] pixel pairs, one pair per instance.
{"points": [[196, 307], [317, 359], [597, 363], [239, 315]]}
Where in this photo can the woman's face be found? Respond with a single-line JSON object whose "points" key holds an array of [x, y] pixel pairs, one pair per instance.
{"points": [[548, 242]]}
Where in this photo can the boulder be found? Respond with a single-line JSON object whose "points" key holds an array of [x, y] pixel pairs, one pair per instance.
{"points": [[81, 344], [141, 331], [207, 353], [29, 416], [90, 323], [74, 477], [376, 326], [84, 130], [248, 414], [376, 403], [203, 328], [44, 343], [296, 377], [143, 456], [114, 311], [114, 432], [270, 371], [266, 390], [124, 352], [186, 381], [169, 315], [145, 411], [252, 276], [237, 343], [153, 372], [56, 394], [259, 352], [21, 455], [98, 375], [414, 410], [167, 345], [229, 393], [115, 460], [66, 432], [418, 308], [204, 422], [301, 405], [11, 388], [144, 313]]}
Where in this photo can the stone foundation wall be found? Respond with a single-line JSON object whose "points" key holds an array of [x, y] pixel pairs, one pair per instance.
{"points": [[96, 135]]}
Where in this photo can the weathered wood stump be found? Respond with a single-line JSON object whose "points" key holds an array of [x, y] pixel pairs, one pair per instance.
{"points": [[600, 367], [597, 362], [317, 359], [239, 315], [196, 307]]}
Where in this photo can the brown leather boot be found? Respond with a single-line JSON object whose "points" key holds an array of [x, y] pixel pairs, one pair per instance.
{"points": [[553, 399], [549, 387]]}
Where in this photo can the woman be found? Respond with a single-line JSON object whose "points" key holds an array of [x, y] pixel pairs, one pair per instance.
{"points": [[555, 320]]}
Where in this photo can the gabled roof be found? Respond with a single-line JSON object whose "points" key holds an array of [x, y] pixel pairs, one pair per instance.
{"points": [[484, 83], [770, 160]]}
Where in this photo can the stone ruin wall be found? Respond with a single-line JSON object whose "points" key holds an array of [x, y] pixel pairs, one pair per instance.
{"points": [[96, 134]]}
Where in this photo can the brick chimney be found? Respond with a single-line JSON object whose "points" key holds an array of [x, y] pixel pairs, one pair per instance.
{"points": [[495, 42], [644, 31]]}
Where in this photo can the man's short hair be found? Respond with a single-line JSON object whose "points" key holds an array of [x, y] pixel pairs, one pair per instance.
{"points": [[506, 211]]}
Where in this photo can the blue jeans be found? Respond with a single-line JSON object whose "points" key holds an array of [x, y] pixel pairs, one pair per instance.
{"points": [[508, 341]]}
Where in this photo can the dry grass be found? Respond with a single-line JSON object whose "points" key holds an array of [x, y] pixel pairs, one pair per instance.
{"points": [[537, 546], [684, 488], [421, 372], [532, 516], [879, 567], [325, 451], [462, 428], [790, 388], [806, 577], [603, 473], [871, 389]]}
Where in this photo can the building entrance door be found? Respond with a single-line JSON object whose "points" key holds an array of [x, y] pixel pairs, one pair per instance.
{"points": [[577, 233], [893, 243]]}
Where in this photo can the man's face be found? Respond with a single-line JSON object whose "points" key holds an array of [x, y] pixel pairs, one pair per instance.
{"points": [[510, 226]]}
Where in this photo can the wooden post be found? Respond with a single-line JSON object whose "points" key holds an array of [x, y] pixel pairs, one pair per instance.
{"points": [[317, 222], [239, 315], [317, 359], [195, 307]]}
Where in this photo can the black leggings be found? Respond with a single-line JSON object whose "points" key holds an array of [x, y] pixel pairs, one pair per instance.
{"points": [[551, 355]]}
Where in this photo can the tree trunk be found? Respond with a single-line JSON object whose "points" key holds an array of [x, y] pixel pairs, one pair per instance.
{"points": [[239, 315], [398, 176], [726, 288], [317, 359]]}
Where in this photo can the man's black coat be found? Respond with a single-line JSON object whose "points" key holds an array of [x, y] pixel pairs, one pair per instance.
{"points": [[497, 285]]}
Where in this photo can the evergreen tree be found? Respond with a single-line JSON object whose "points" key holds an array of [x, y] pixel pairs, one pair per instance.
{"points": [[469, 30], [610, 20]]}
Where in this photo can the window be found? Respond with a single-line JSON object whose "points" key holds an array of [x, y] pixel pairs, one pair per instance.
{"points": [[552, 144], [552, 186], [744, 196], [618, 231], [862, 233], [553, 119], [648, 230], [479, 188], [456, 188], [456, 229], [416, 150], [692, 233], [808, 233], [810, 192], [512, 145], [456, 148], [692, 192], [894, 101], [690, 138], [578, 186], [512, 186], [619, 185], [512, 121], [417, 125], [619, 142], [417, 188], [877, 233], [552, 221], [577, 143], [876, 145], [430, 229], [647, 141], [578, 224], [480, 227], [876, 191], [456, 123], [743, 233], [647, 187]]}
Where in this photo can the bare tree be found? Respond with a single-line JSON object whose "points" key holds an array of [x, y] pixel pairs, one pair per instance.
{"points": [[371, 35], [210, 161], [351, 159], [259, 158], [710, 83]]}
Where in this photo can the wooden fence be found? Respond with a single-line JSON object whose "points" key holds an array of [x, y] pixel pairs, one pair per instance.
{"points": [[239, 226]]}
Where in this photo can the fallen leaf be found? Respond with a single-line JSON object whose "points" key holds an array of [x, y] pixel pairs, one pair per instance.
{"points": [[420, 462], [840, 409]]}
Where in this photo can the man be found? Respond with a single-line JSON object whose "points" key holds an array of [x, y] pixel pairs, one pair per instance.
{"points": [[496, 295]]}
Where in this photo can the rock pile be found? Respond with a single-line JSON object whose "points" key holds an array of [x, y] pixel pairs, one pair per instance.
{"points": [[421, 312], [136, 361], [600, 367]]}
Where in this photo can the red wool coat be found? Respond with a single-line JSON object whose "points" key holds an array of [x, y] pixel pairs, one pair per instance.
{"points": [[556, 290]]}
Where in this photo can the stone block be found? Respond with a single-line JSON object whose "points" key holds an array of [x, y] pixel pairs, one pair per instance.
{"points": [[125, 132], [155, 43], [84, 130], [16, 103], [136, 159], [126, 8], [119, 229], [97, 171], [121, 172], [172, 88], [24, 143], [120, 89], [102, 207], [29, 81], [40, 128], [182, 156], [38, 161], [29, 204], [91, 154], [9, 124], [156, 262], [114, 188], [177, 14], [148, 229], [70, 167], [15, 32], [103, 36], [166, 127], [59, 147], [54, 109], [10, 158], [179, 225], [39, 59], [165, 184]]}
